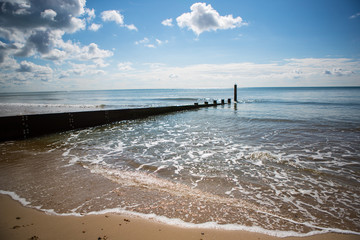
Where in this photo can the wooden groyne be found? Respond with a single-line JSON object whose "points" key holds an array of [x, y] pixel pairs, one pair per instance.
{"points": [[28, 126]]}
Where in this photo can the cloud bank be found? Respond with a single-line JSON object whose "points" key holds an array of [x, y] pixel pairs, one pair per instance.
{"points": [[289, 72], [36, 28]]}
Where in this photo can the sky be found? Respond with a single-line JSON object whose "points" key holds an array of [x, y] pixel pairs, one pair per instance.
{"points": [[54, 45]]}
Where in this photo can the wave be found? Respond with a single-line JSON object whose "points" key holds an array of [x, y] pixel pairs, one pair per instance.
{"points": [[275, 120], [180, 223], [45, 105], [12, 109], [268, 101], [252, 101], [175, 99]]}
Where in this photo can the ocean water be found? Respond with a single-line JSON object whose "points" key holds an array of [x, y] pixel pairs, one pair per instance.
{"points": [[281, 161], [72, 101]]}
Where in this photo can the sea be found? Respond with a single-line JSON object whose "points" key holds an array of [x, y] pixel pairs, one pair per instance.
{"points": [[279, 161]]}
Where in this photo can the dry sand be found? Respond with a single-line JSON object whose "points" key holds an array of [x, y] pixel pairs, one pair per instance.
{"points": [[19, 222]]}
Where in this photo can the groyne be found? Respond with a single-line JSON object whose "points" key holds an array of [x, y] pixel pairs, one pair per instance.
{"points": [[28, 126]]}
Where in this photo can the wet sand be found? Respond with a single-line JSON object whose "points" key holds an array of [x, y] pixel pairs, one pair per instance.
{"points": [[19, 222]]}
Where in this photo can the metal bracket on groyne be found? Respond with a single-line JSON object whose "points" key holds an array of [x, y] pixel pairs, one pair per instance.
{"points": [[28, 126]]}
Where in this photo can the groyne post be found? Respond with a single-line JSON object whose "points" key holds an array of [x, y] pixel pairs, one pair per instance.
{"points": [[235, 93]]}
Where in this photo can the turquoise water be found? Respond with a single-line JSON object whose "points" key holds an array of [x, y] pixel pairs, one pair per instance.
{"points": [[282, 161]]}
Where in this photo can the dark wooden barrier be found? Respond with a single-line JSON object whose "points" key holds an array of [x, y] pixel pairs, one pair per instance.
{"points": [[27, 126]]}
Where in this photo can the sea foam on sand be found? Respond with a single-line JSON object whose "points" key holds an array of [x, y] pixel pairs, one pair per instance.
{"points": [[159, 221]]}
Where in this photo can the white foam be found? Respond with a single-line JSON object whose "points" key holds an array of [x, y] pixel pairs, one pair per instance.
{"points": [[180, 223], [26, 203], [16, 197], [193, 155], [9, 109], [230, 227], [43, 105]]}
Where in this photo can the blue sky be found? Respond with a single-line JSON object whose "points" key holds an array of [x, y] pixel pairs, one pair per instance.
{"points": [[73, 44]]}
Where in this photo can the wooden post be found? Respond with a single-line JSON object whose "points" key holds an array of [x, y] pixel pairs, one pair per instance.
{"points": [[222, 101], [206, 103], [229, 100], [215, 102], [196, 104], [235, 93]]}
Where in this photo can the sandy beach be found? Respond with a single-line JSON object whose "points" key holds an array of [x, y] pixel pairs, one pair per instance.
{"points": [[18, 222]]}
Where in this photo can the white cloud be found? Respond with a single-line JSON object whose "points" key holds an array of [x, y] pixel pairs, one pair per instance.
{"points": [[167, 22], [92, 52], [5, 49], [114, 16], [339, 72], [76, 25], [173, 76], [35, 29], [146, 42], [125, 66], [289, 72], [355, 15], [118, 18], [204, 18], [49, 14], [82, 70], [45, 22], [94, 27], [74, 51], [90, 13], [155, 65], [131, 27], [159, 42], [26, 66], [27, 70], [55, 55], [143, 41]]}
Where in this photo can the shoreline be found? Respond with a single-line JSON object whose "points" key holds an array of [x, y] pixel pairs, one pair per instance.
{"points": [[20, 222]]}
